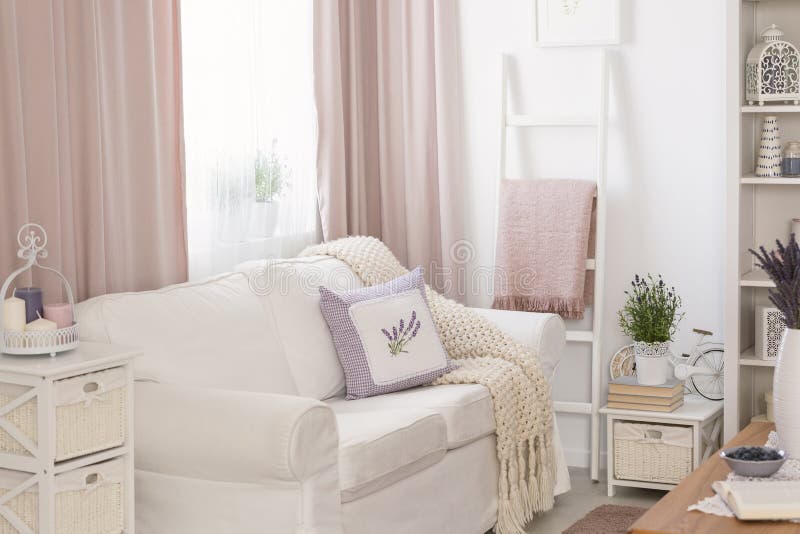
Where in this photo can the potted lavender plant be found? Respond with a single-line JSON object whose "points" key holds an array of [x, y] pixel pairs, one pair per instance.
{"points": [[650, 317], [783, 267]]}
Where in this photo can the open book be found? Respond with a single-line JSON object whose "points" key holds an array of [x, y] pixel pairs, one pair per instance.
{"points": [[778, 499]]}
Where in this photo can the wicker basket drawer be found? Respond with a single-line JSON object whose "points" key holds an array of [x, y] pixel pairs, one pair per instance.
{"points": [[89, 500], [651, 452], [90, 414]]}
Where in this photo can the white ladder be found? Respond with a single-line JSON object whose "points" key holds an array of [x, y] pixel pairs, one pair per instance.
{"points": [[600, 124]]}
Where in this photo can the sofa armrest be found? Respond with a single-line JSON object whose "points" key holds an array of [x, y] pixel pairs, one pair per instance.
{"points": [[545, 332], [231, 436]]}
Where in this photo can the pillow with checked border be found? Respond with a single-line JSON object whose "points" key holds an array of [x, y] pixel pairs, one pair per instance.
{"points": [[385, 336]]}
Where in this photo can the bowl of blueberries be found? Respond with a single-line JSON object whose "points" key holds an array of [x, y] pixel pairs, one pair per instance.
{"points": [[754, 461]]}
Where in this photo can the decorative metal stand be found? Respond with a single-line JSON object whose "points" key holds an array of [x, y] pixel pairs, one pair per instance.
{"points": [[32, 240]]}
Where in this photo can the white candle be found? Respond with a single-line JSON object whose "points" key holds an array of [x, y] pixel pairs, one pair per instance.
{"points": [[40, 325], [14, 314]]}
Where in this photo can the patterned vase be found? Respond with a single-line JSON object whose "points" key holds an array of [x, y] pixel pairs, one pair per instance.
{"points": [[652, 363], [769, 151], [786, 392]]}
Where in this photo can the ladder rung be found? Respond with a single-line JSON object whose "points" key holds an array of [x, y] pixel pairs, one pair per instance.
{"points": [[572, 407], [590, 264], [580, 336], [507, 178], [549, 121]]}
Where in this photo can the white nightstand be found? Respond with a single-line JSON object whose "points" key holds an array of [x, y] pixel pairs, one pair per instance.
{"points": [[66, 429], [703, 416]]}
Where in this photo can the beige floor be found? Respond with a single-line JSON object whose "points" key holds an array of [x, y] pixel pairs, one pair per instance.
{"points": [[585, 497]]}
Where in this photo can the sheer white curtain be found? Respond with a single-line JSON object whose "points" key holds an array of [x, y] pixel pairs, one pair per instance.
{"points": [[250, 130]]}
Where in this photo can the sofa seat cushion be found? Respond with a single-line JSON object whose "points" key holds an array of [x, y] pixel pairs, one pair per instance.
{"points": [[379, 448], [466, 408]]}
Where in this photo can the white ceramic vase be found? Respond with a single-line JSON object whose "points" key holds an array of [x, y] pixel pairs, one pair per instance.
{"points": [[786, 392], [264, 218], [769, 149], [652, 363]]}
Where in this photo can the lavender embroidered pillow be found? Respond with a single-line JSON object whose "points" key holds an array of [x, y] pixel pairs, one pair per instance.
{"points": [[385, 336]]}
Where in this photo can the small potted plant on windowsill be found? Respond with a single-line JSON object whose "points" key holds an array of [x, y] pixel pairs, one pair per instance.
{"points": [[783, 267], [650, 317], [272, 176]]}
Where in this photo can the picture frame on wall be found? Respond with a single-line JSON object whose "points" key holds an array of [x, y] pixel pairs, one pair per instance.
{"points": [[577, 22]]}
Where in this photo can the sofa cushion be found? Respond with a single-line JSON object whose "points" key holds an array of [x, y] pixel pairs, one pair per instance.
{"points": [[377, 449], [466, 408], [290, 290], [381, 352], [212, 333]]}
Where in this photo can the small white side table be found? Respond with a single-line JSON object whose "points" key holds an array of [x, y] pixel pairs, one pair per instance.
{"points": [[702, 415], [39, 375]]}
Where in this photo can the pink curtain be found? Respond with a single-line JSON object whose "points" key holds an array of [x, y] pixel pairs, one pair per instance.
{"points": [[386, 86], [91, 141]]}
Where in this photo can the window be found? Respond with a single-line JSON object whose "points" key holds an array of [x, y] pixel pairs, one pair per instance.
{"points": [[250, 130]]}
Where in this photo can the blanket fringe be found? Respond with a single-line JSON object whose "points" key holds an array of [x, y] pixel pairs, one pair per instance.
{"points": [[566, 308], [521, 496]]}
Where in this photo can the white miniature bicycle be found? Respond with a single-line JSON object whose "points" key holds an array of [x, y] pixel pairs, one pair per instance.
{"points": [[702, 369]]}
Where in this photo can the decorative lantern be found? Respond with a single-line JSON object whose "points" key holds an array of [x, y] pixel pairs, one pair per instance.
{"points": [[773, 70]]}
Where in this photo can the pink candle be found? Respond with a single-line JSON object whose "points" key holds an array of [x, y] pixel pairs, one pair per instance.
{"points": [[60, 313]]}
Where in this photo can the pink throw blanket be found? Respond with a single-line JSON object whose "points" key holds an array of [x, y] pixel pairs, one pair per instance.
{"points": [[542, 246]]}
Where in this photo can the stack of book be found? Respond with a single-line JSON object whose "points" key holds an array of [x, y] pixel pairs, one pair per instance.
{"points": [[627, 394]]}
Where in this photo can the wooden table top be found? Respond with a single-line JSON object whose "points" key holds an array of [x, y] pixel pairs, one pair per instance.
{"points": [[669, 515]]}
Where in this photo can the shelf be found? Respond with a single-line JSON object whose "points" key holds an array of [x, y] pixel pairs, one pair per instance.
{"points": [[748, 358], [756, 278], [752, 179], [755, 362], [774, 108]]}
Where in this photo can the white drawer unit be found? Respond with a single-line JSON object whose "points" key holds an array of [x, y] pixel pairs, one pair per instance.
{"points": [[657, 449], [90, 414], [89, 500], [66, 442]]}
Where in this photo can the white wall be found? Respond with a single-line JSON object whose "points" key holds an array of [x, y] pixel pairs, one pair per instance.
{"points": [[666, 161]]}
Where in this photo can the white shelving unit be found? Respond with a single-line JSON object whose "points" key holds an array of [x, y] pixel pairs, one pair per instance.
{"points": [[758, 210]]}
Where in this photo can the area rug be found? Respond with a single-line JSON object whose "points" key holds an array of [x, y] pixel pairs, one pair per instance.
{"points": [[607, 519]]}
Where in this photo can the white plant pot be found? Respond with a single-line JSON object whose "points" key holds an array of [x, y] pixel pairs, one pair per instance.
{"points": [[786, 392], [264, 218], [652, 363]]}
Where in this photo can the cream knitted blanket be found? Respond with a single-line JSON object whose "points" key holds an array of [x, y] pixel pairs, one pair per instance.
{"points": [[487, 356]]}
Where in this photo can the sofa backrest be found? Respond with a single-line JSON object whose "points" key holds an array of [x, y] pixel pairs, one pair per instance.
{"points": [[257, 329], [211, 333]]}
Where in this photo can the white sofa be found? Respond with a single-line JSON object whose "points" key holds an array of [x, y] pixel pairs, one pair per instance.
{"points": [[241, 424]]}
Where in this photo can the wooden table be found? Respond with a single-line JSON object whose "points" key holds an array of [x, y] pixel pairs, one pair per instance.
{"points": [[669, 515]]}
